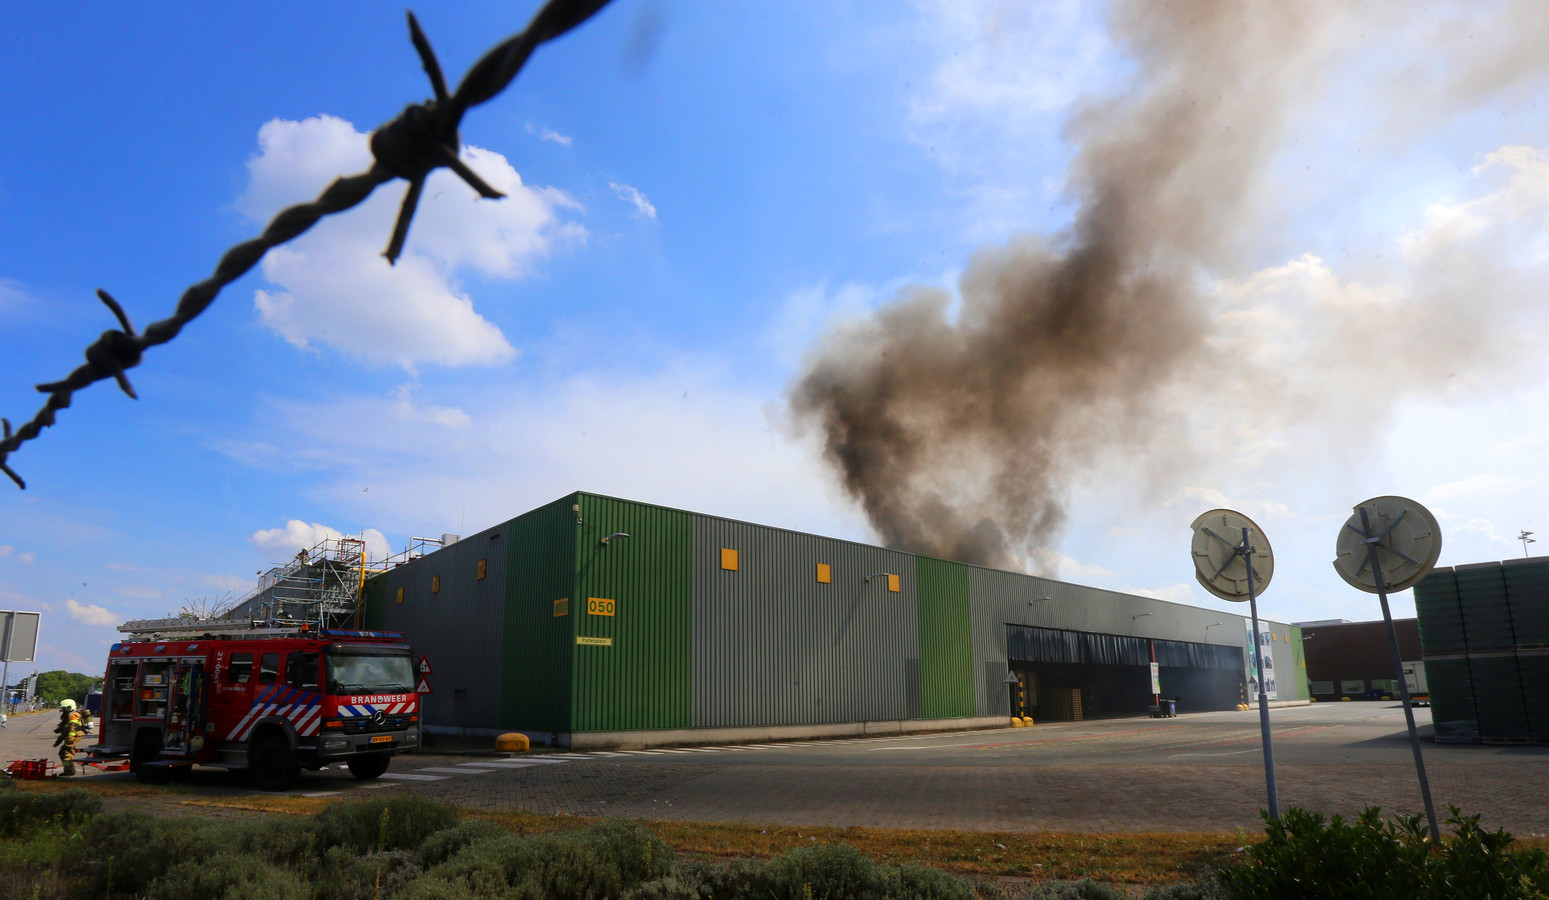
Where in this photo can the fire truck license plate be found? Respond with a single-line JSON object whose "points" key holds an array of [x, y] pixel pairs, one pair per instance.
{"points": [[382, 739]]}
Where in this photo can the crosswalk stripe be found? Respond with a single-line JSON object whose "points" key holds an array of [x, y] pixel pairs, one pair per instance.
{"points": [[405, 776], [462, 770]]}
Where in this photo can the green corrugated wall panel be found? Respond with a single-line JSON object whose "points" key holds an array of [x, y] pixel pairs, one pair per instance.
{"points": [[641, 681], [1299, 686], [536, 646], [946, 641]]}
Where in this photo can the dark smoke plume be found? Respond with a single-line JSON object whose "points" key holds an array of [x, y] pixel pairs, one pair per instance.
{"points": [[958, 435]]}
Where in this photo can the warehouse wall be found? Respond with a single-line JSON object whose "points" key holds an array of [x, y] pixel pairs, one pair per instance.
{"points": [[774, 645], [536, 646], [693, 642], [945, 630], [441, 587], [641, 679]]}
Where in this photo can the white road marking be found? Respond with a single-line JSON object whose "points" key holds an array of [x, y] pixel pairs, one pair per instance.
{"points": [[1226, 753], [405, 776], [460, 771]]}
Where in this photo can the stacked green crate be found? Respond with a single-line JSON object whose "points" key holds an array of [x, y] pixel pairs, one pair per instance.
{"points": [[1498, 697], [1527, 587], [1533, 666], [1444, 645], [1440, 617], [1492, 659], [1486, 610]]}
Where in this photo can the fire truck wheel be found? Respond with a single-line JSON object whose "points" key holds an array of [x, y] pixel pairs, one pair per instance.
{"points": [[368, 767], [273, 766]]}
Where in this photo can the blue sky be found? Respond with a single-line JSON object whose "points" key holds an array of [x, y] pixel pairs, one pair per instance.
{"points": [[699, 193]]}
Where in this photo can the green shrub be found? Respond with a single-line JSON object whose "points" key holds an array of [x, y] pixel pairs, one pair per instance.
{"points": [[695, 879], [24, 811], [816, 873], [1085, 889], [441, 846], [129, 850], [604, 861], [1305, 856], [372, 826], [1209, 888], [227, 876], [278, 839], [374, 875]]}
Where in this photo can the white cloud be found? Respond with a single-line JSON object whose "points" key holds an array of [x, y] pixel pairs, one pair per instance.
{"points": [[642, 203], [1062, 567], [1177, 593], [6, 550], [681, 437], [88, 614], [549, 134], [333, 286], [283, 543]]}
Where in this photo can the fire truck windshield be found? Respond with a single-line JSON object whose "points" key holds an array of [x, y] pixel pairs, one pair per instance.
{"points": [[369, 672]]}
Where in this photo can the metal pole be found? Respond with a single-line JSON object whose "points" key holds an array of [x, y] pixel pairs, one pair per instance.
{"points": [[1403, 685], [1258, 657]]}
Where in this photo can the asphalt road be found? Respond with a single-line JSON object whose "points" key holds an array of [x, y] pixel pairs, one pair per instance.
{"points": [[1199, 772]]}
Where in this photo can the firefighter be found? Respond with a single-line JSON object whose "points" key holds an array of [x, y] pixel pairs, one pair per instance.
{"points": [[69, 730]]}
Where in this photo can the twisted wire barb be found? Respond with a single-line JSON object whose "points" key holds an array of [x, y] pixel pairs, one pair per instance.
{"points": [[421, 139]]}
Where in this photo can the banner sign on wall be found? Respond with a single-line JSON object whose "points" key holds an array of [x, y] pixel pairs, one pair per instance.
{"points": [[1261, 649]]}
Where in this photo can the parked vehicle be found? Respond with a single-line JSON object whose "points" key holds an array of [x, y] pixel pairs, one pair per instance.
{"points": [[270, 700], [1414, 681]]}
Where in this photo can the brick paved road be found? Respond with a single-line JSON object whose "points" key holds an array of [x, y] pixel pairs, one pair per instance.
{"points": [[1199, 772]]}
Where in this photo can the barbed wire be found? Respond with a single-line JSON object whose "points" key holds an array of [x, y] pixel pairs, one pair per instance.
{"points": [[423, 138]]}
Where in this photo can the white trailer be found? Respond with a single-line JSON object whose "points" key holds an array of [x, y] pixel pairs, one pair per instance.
{"points": [[1414, 681]]}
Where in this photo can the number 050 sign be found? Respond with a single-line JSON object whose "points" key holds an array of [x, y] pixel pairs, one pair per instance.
{"points": [[597, 606]]}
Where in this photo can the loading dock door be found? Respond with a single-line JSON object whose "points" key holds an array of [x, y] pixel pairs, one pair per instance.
{"points": [[1087, 675]]}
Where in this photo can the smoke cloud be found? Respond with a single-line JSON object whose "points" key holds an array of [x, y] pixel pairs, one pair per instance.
{"points": [[958, 423]]}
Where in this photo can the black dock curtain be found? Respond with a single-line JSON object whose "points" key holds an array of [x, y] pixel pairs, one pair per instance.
{"points": [[1025, 643]]}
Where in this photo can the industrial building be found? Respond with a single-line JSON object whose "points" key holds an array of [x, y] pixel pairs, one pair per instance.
{"points": [[1484, 634], [1354, 660], [594, 621]]}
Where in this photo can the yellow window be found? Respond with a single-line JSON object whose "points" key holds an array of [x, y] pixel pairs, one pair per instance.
{"points": [[892, 583], [483, 566], [728, 559], [562, 607], [400, 595], [825, 573], [435, 584]]}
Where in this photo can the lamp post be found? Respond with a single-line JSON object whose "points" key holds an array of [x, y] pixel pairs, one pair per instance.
{"points": [[1210, 626]]}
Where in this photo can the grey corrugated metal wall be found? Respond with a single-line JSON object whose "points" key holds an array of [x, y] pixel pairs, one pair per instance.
{"points": [[1001, 598], [458, 627], [774, 646]]}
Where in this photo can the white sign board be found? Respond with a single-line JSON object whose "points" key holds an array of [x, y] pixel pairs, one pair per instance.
{"points": [[19, 635], [1156, 678]]}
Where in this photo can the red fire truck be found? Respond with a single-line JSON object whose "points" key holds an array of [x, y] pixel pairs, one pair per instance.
{"points": [[271, 700]]}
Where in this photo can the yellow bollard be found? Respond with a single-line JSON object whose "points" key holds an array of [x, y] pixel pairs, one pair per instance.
{"points": [[1017, 722], [512, 743], [1027, 721]]}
